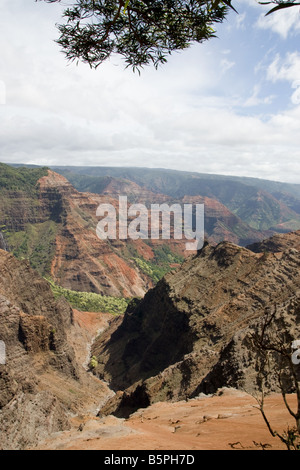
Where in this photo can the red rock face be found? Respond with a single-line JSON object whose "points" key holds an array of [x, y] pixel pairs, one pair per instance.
{"points": [[83, 262]]}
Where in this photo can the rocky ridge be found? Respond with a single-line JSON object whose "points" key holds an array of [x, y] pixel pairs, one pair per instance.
{"points": [[191, 333]]}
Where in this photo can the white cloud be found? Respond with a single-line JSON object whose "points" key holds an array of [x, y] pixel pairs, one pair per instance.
{"points": [[240, 21], [187, 115], [285, 69], [295, 98], [2, 92], [255, 99], [226, 65], [283, 22]]}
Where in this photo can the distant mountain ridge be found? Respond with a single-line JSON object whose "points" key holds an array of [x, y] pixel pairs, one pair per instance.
{"points": [[262, 204], [49, 217]]}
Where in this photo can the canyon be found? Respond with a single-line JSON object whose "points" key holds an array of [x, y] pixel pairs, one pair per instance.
{"points": [[54, 225], [182, 340], [181, 367], [180, 358]]}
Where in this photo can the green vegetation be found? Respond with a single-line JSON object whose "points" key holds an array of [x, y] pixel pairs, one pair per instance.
{"points": [[164, 256], [93, 363], [89, 301], [142, 33], [85, 183], [177, 183], [36, 243], [21, 225], [20, 179], [161, 263]]}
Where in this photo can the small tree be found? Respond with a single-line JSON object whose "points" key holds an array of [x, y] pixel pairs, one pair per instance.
{"points": [[278, 359], [143, 32], [93, 364]]}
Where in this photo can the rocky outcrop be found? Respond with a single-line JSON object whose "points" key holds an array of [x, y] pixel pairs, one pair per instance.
{"points": [[190, 333], [44, 219], [241, 363], [220, 223], [40, 366], [34, 317], [83, 262]]}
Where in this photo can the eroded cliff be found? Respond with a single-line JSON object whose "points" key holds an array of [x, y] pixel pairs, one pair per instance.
{"points": [[41, 381], [190, 334]]}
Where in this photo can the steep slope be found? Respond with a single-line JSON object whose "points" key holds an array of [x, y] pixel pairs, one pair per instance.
{"points": [[220, 222], [223, 225], [27, 226], [81, 260], [41, 381], [84, 262], [188, 333], [44, 219], [49, 222]]}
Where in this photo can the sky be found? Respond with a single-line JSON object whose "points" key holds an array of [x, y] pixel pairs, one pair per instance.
{"points": [[230, 105]]}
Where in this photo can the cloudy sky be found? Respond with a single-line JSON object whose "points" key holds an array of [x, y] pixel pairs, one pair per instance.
{"points": [[227, 106]]}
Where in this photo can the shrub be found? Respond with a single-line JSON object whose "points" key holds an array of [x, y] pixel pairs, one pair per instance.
{"points": [[89, 301]]}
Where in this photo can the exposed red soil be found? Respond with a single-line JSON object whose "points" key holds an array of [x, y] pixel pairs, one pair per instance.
{"points": [[91, 322], [229, 420], [226, 422]]}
